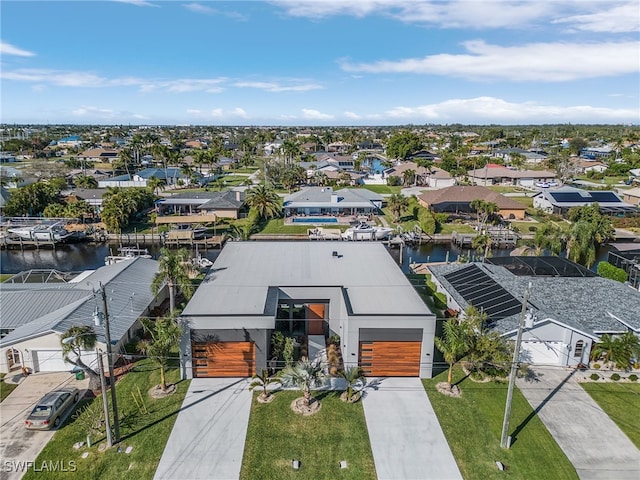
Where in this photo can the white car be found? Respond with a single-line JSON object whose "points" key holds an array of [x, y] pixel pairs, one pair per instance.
{"points": [[543, 184]]}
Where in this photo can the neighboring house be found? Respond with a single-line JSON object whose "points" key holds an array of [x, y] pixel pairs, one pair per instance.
{"points": [[585, 166], [14, 178], [220, 204], [627, 257], [433, 177], [631, 196], [169, 175], [569, 307], [596, 152], [93, 196], [7, 157], [560, 200], [326, 201], [369, 145], [423, 155], [68, 142], [507, 155], [457, 199], [35, 315], [493, 174], [102, 155], [309, 291], [439, 178]]}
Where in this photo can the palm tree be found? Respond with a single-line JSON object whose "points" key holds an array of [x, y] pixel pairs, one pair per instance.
{"points": [[484, 211], [408, 177], [607, 349], [165, 334], [263, 380], [80, 339], [352, 375], [154, 183], [264, 200], [305, 375], [397, 203], [173, 270], [453, 344]]}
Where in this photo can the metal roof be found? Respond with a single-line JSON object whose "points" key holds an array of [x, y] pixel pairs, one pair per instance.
{"points": [[239, 281]]}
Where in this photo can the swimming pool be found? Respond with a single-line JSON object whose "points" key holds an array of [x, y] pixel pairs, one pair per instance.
{"points": [[315, 220]]}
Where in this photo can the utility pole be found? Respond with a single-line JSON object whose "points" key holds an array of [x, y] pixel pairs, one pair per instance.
{"points": [[112, 379], [105, 403], [504, 439]]}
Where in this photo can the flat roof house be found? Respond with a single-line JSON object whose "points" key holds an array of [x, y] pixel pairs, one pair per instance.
{"points": [[309, 291]]}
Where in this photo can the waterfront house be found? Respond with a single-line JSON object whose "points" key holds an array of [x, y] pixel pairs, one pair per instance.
{"points": [[326, 201], [36, 314], [560, 200], [309, 291], [225, 204], [493, 174], [458, 199], [569, 306]]}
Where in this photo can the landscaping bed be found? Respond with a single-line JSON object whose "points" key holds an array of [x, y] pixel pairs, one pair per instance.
{"points": [[146, 433], [276, 436], [472, 425]]}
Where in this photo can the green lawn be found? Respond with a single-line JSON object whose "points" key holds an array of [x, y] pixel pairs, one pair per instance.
{"points": [[383, 189], [5, 388], [526, 201], [621, 401], [5, 276], [146, 433], [277, 435], [450, 227], [277, 226], [473, 425]]}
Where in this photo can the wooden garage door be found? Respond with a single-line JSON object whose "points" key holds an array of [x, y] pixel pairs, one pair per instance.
{"points": [[224, 359], [390, 359]]}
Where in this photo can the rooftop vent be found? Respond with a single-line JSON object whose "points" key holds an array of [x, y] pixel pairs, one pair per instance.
{"points": [[334, 253]]}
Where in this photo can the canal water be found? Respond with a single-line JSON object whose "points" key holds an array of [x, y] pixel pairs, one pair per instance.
{"points": [[86, 256]]}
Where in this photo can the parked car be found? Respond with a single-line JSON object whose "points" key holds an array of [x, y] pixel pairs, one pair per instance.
{"points": [[542, 184], [50, 409]]}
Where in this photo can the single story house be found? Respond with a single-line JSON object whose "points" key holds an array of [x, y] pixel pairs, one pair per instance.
{"points": [[568, 309], [309, 291], [631, 196], [493, 174], [93, 196], [326, 201], [585, 166], [457, 199], [169, 175], [225, 204], [35, 315], [507, 154], [102, 155], [560, 200], [433, 177]]}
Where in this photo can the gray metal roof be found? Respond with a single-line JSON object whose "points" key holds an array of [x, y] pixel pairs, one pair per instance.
{"points": [[239, 281], [321, 196], [583, 303], [128, 288]]}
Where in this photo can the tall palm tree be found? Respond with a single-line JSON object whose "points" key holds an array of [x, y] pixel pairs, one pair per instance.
{"points": [[305, 375], [264, 200], [164, 336], [173, 270], [397, 204], [453, 344], [484, 210]]}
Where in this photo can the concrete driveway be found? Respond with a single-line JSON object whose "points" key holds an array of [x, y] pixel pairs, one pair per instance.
{"points": [[17, 444], [593, 443], [406, 438], [207, 440]]}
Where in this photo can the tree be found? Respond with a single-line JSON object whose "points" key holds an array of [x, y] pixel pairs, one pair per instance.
{"points": [[82, 338], [549, 237], [164, 333], [484, 211], [453, 344], [264, 200], [352, 375], [85, 181], [620, 351], [154, 183], [305, 375], [403, 144], [31, 200], [397, 204], [607, 270], [263, 381], [173, 270], [408, 177], [489, 352]]}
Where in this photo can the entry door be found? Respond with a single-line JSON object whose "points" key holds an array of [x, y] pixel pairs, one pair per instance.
{"points": [[315, 317]]}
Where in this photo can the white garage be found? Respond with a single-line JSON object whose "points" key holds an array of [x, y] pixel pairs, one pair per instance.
{"points": [[52, 361], [542, 352]]}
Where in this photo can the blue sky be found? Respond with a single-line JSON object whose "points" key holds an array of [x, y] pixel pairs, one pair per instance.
{"points": [[321, 62]]}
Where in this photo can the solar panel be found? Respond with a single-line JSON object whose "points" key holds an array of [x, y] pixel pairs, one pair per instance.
{"points": [[570, 197], [605, 197], [483, 292]]}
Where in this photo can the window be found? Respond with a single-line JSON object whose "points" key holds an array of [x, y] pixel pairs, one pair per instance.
{"points": [[577, 353]]}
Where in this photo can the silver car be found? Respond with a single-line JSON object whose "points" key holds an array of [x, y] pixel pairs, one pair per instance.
{"points": [[50, 409]]}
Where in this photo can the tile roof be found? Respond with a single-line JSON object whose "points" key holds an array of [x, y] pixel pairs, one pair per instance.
{"points": [[469, 193]]}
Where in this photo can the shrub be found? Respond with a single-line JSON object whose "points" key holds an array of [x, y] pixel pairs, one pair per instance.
{"points": [[606, 270], [633, 377], [594, 376], [596, 366], [533, 228], [440, 300], [615, 377]]}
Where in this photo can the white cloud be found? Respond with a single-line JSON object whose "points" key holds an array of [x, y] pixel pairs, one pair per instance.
{"points": [[352, 115], [539, 62], [276, 87], [216, 112], [94, 112], [310, 114], [199, 8], [138, 3], [8, 49], [619, 19], [495, 110], [239, 112]]}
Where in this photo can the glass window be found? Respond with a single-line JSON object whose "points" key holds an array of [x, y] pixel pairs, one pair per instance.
{"points": [[579, 349], [283, 311]]}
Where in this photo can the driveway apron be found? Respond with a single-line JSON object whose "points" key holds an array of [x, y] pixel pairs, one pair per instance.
{"points": [[406, 438], [593, 443], [207, 440]]}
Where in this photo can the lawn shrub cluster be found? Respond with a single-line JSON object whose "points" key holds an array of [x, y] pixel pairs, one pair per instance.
{"points": [[633, 377], [594, 376], [615, 377]]}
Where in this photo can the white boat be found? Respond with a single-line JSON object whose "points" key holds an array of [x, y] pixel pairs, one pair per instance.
{"points": [[127, 253], [50, 233], [364, 231], [202, 262]]}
